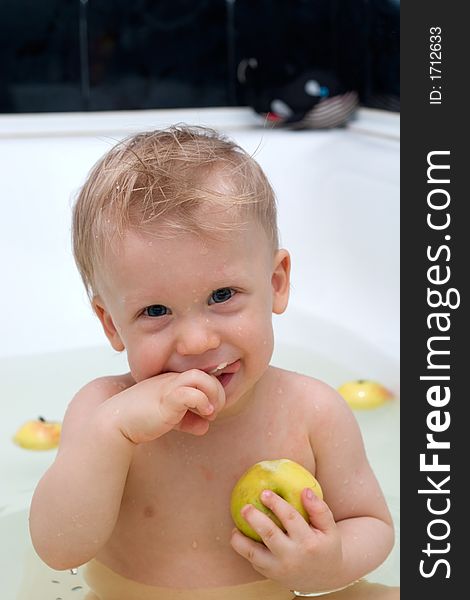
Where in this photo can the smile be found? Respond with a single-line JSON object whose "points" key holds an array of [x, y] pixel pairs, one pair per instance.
{"points": [[225, 371], [218, 369]]}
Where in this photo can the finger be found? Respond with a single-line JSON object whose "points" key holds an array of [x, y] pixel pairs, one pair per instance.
{"points": [[214, 390], [184, 398], [273, 537], [196, 401], [208, 384], [292, 521], [318, 511], [258, 555], [194, 424], [219, 396]]}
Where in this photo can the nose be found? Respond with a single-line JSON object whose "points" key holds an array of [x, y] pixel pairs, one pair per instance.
{"points": [[196, 336]]}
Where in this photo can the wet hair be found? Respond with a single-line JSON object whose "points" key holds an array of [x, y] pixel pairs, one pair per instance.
{"points": [[168, 180]]}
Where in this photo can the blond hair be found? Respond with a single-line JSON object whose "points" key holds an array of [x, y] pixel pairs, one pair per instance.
{"points": [[165, 177]]}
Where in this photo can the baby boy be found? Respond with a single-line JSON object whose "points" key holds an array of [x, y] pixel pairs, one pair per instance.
{"points": [[175, 237]]}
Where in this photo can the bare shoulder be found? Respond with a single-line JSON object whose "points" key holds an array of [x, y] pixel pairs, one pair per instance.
{"points": [[311, 395], [108, 384], [322, 411], [98, 390], [341, 463], [88, 398]]}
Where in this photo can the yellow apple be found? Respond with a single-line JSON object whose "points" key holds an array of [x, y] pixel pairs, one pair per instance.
{"points": [[284, 477], [38, 435], [364, 393]]}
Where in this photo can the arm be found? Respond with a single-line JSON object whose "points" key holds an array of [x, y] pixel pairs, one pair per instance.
{"points": [[351, 491], [350, 532], [76, 503]]}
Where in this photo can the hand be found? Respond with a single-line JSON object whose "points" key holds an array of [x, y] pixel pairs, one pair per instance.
{"points": [[308, 557], [185, 401]]}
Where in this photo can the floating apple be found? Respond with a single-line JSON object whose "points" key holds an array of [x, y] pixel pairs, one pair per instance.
{"points": [[364, 393], [38, 435], [284, 477]]}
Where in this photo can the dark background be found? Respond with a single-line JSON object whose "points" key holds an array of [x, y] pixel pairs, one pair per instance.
{"points": [[426, 128], [76, 55]]}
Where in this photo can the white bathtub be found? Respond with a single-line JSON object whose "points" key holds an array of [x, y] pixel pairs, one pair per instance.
{"points": [[338, 214]]}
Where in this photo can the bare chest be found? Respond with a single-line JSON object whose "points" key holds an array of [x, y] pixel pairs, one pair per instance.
{"points": [[176, 503], [187, 482]]}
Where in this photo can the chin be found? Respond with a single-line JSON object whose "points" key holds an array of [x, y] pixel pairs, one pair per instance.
{"points": [[241, 395]]}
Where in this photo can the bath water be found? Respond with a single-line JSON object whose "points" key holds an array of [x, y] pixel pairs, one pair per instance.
{"points": [[42, 385]]}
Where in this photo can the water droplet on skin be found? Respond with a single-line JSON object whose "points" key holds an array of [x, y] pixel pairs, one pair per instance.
{"points": [[150, 244], [280, 391], [270, 433], [217, 539], [361, 482], [346, 481], [194, 544]]}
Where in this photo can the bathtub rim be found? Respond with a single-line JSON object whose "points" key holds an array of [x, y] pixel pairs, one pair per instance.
{"points": [[368, 121]]}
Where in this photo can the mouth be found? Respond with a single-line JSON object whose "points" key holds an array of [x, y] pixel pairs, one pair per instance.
{"points": [[218, 369], [225, 372]]}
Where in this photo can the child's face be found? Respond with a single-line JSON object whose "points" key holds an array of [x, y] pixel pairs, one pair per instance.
{"points": [[191, 302]]}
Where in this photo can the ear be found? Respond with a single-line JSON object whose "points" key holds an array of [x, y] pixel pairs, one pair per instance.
{"points": [[108, 324], [280, 281]]}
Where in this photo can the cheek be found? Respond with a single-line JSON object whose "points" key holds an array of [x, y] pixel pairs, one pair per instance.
{"points": [[255, 333], [146, 358], [265, 343]]}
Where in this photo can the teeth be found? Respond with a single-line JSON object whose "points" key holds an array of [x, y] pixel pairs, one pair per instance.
{"points": [[219, 368]]}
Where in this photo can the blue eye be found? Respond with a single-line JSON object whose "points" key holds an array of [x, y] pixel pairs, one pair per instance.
{"points": [[156, 310], [221, 295]]}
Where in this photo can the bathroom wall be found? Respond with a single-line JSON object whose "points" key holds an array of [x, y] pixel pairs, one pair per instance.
{"points": [[338, 201], [76, 55]]}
